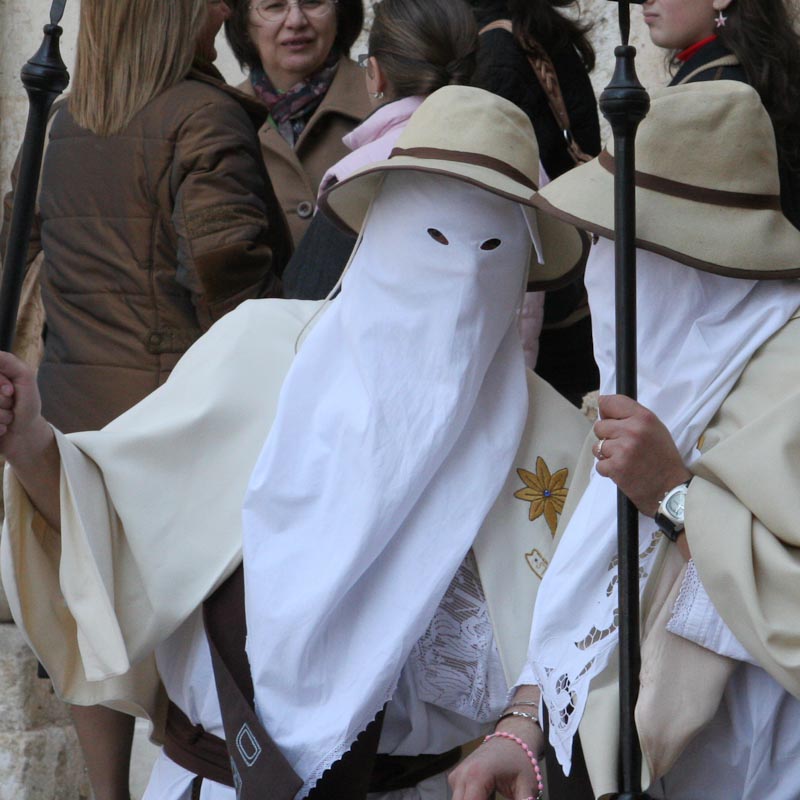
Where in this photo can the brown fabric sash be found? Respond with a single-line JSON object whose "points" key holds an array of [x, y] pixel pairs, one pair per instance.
{"points": [[255, 758], [196, 750], [476, 159], [714, 197]]}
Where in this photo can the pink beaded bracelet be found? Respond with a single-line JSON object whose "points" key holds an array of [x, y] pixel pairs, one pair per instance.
{"points": [[528, 752]]}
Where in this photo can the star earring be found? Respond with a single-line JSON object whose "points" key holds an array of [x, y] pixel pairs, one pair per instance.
{"points": [[720, 19]]}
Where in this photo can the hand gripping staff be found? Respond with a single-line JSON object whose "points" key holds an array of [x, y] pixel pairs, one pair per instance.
{"points": [[625, 103], [44, 77]]}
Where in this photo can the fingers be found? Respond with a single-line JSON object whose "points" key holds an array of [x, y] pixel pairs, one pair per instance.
{"points": [[622, 421], [6, 394], [13, 368], [6, 403], [616, 406]]}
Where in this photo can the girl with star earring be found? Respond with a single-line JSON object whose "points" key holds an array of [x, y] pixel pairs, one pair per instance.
{"points": [[754, 41]]}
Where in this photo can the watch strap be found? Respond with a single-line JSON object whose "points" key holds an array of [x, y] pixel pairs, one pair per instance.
{"points": [[666, 524]]}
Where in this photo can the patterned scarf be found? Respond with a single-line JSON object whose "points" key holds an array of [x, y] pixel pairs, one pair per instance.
{"points": [[291, 110]]}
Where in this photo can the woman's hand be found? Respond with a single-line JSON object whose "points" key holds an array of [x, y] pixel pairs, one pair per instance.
{"points": [[22, 426], [500, 765], [636, 451]]}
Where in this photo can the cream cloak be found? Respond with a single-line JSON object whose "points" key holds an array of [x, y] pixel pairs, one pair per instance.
{"points": [[151, 520], [742, 515]]}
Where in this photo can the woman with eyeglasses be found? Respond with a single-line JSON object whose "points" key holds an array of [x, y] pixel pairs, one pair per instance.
{"points": [[296, 55]]}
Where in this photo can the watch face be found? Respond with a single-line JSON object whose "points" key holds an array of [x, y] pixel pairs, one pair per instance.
{"points": [[675, 505]]}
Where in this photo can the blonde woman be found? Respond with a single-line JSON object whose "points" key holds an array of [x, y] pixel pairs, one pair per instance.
{"points": [[157, 217]]}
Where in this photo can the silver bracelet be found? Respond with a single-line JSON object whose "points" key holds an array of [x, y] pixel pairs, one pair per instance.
{"points": [[532, 717]]}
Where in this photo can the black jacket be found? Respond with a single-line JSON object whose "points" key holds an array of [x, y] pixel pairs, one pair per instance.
{"points": [[566, 358], [503, 69]]}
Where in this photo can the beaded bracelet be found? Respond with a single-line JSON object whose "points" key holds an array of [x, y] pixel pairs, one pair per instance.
{"points": [[528, 752]]}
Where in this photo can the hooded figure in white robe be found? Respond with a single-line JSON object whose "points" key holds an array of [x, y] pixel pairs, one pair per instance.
{"points": [[405, 432]]}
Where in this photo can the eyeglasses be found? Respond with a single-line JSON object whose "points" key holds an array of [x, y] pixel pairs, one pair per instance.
{"points": [[278, 10], [363, 60]]}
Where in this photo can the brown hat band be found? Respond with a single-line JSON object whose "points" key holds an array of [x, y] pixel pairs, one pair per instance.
{"points": [[476, 159], [699, 194]]}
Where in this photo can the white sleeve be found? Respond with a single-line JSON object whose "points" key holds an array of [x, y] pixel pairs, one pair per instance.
{"points": [[695, 618]]}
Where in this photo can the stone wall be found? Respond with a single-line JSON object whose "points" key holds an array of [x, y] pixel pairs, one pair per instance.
{"points": [[39, 754]]}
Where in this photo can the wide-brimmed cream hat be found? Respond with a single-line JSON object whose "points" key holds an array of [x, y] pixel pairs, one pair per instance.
{"points": [[707, 185], [479, 138]]}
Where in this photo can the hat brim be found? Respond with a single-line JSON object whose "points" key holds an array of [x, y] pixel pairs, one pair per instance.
{"points": [[735, 242], [565, 249]]}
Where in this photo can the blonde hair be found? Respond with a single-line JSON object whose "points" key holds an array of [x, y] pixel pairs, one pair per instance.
{"points": [[129, 51]]}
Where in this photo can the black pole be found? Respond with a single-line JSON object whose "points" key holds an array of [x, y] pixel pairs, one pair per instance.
{"points": [[625, 103], [44, 78]]}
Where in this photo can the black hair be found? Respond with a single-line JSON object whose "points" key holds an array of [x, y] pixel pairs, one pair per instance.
{"points": [[762, 35], [541, 21]]}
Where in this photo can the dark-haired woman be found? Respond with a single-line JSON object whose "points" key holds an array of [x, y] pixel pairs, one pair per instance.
{"points": [[415, 47], [754, 41], [296, 54], [513, 32]]}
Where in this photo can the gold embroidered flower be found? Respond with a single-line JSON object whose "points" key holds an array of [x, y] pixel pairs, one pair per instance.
{"points": [[545, 492]]}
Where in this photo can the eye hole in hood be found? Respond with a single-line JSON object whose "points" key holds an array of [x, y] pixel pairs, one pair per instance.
{"points": [[437, 236]]}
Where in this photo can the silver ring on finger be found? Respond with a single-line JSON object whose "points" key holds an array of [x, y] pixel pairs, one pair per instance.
{"points": [[599, 452]]}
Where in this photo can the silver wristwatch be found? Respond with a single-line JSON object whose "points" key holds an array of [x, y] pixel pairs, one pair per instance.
{"points": [[669, 516]]}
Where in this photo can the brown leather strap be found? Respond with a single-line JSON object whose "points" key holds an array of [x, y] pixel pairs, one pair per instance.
{"points": [[255, 758], [258, 763], [545, 72], [698, 194], [195, 749]]}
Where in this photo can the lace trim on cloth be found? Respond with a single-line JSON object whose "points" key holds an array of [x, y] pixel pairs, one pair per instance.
{"points": [[455, 665], [694, 617], [682, 610], [565, 692]]}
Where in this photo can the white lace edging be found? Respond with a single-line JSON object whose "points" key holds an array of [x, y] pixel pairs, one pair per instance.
{"points": [[455, 664], [679, 621]]}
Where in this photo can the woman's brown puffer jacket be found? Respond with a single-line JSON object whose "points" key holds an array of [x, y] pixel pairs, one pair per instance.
{"points": [[149, 236]]}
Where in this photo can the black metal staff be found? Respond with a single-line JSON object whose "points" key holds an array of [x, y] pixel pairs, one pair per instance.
{"points": [[625, 103], [44, 77]]}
